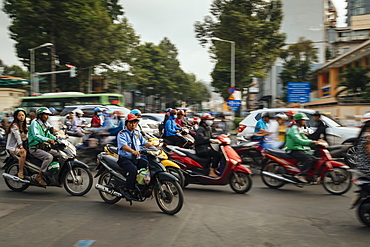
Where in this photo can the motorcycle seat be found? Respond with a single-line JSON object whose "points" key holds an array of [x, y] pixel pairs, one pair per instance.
{"points": [[185, 150], [204, 161], [112, 149], [280, 154], [112, 163]]}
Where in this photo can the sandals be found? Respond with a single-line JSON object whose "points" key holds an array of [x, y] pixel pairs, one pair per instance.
{"points": [[40, 181], [21, 175]]}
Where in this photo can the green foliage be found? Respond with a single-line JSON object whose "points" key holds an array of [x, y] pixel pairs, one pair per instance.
{"points": [[354, 81], [236, 121], [298, 59], [253, 25]]}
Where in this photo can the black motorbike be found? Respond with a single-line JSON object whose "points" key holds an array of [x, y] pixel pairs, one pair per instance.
{"points": [[162, 185], [67, 171], [362, 199]]}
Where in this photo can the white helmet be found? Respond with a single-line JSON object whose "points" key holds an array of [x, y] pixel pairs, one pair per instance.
{"points": [[282, 116], [79, 112], [365, 117]]}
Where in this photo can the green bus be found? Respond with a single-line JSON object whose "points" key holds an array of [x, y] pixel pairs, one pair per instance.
{"points": [[60, 100]]}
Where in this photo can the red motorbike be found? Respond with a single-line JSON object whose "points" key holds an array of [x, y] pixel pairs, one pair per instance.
{"points": [[196, 168], [279, 168]]}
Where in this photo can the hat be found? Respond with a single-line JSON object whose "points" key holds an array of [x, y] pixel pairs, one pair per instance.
{"points": [[131, 117]]}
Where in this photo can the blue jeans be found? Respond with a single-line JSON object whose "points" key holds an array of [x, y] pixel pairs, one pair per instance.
{"points": [[130, 169]]}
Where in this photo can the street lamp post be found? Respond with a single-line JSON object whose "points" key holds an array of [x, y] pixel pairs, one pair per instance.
{"points": [[34, 85], [232, 83]]}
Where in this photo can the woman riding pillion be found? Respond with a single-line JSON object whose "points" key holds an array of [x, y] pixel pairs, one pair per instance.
{"points": [[129, 142], [38, 134], [17, 136], [171, 129], [295, 142]]}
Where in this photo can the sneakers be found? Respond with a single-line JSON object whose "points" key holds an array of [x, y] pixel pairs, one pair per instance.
{"points": [[300, 178]]}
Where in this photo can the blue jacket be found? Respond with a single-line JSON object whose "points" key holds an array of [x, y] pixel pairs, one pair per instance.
{"points": [[170, 127]]}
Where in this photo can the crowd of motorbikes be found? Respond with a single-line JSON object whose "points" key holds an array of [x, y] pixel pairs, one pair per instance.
{"points": [[171, 168]]}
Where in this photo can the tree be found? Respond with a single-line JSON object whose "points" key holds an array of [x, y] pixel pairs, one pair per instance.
{"points": [[81, 32], [354, 81], [254, 27], [297, 62]]}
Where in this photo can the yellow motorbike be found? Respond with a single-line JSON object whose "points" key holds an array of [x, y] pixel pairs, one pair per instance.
{"points": [[171, 167]]}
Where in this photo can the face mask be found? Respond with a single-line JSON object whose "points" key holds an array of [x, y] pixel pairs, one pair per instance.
{"points": [[209, 122], [99, 114]]}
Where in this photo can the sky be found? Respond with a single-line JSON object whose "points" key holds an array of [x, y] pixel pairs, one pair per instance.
{"points": [[153, 20]]}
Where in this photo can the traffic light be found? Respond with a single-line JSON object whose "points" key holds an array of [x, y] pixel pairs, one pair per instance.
{"points": [[72, 70]]}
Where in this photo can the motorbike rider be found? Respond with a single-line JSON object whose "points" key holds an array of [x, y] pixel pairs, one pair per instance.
{"points": [[320, 132], [170, 130], [290, 114], [96, 120], [129, 142], [78, 123], [68, 120], [38, 134], [17, 137], [180, 118], [202, 143], [260, 131], [295, 142], [363, 146]]}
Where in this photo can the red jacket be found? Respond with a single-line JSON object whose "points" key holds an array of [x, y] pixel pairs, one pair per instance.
{"points": [[95, 122]]}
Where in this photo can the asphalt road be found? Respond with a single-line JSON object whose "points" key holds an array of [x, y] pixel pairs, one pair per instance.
{"points": [[211, 216]]}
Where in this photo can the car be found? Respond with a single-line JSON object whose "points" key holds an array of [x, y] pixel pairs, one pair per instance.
{"points": [[337, 134], [158, 117]]}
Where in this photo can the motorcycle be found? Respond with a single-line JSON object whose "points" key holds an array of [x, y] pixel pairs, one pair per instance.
{"points": [[362, 199], [279, 168], [67, 171], [171, 167], [250, 152], [164, 186], [346, 151], [196, 168]]}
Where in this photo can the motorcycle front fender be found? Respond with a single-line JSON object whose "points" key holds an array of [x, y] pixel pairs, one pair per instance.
{"points": [[77, 163], [166, 163], [241, 168], [166, 176], [329, 165]]}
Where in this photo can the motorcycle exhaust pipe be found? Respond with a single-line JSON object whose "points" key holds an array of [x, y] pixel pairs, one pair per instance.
{"points": [[15, 178], [273, 175], [105, 189]]}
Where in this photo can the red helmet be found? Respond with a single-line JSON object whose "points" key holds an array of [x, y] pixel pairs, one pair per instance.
{"points": [[181, 112], [206, 116], [290, 112], [131, 117], [173, 111]]}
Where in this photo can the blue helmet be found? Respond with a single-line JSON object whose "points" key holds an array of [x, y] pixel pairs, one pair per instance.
{"points": [[136, 112], [97, 109]]}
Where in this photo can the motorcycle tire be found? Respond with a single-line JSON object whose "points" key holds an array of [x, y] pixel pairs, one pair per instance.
{"points": [[178, 174], [3, 151], [13, 185], [276, 169], [172, 194], [337, 187], [350, 157], [84, 178], [106, 179], [363, 212], [245, 179]]}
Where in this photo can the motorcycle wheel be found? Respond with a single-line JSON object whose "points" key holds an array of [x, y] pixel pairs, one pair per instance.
{"points": [[106, 179], [350, 157], [272, 182], [178, 174], [172, 198], [337, 187], [84, 182], [363, 212], [13, 185], [2, 151], [244, 186]]}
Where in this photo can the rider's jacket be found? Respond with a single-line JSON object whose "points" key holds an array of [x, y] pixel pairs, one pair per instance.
{"points": [[295, 140], [170, 127], [202, 136], [132, 139], [39, 132]]}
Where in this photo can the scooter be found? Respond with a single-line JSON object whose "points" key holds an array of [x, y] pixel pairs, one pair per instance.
{"points": [[250, 152], [362, 199], [279, 168], [74, 175], [155, 182], [196, 169]]}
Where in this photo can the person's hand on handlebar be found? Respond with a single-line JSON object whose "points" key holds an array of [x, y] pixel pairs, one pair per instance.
{"points": [[136, 153], [52, 141]]}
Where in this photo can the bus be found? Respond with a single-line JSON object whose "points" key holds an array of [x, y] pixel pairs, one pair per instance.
{"points": [[60, 100]]}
